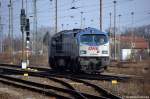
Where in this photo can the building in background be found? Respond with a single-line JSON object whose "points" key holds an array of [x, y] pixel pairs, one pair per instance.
{"points": [[130, 48]]}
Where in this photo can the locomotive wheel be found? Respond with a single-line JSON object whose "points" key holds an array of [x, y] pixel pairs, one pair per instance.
{"points": [[74, 66], [105, 68], [61, 65], [52, 63]]}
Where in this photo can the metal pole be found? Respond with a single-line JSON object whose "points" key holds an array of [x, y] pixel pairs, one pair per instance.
{"points": [[22, 37], [35, 28], [84, 22], [132, 37], [33, 34], [76, 24], [9, 33], [115, 29], [27, 43], [11, 14], [119, 45], [11, 6], [22, 4], [56, 16], [67, 26], [1, 35], [149, 43], [101, 15], [110, 23], [62, 25], [110, 34], [26, 7], [81, 19]]}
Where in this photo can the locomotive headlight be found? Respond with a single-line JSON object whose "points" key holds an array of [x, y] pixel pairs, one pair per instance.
{"points": [[104, 52], [82, 52]]}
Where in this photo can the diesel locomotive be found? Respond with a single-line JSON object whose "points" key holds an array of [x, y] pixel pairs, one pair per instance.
{"points": [[79, 50]]}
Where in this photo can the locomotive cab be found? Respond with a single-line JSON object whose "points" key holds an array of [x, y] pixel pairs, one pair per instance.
{"points": [[93, 51]]}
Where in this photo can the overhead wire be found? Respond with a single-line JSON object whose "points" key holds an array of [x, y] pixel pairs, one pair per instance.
{"points": [[93, 10], [91, 5]]}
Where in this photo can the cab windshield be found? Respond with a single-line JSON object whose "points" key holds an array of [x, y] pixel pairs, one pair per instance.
{"points": [[93, 39]]}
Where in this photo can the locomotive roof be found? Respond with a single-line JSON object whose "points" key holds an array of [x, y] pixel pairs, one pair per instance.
{"points": [[69, 31], [81, 31]]}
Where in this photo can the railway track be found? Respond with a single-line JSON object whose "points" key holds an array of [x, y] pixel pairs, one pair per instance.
{"points": [[105, 94], [39, 87], [19, 66], [102, 77], [25, 85], [100, 90], [80, 75]]}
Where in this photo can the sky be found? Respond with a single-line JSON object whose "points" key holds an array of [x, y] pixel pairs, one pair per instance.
{"points": [[71, 18]]}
